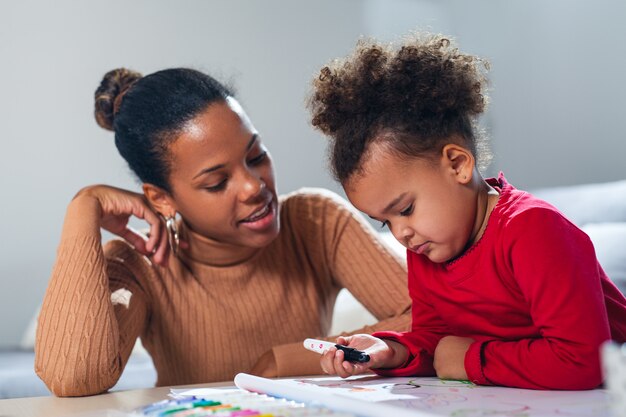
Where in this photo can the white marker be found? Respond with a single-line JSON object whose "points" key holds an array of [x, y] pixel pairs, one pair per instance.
{"points": [[317, 346], [350, 354]]}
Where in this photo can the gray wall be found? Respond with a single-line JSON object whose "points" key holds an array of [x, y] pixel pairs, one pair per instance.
{"points": [[554, 117], [558, 80]]}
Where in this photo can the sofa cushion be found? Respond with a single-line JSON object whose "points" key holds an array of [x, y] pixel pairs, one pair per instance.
{"points": [[589, 203], [609, 240]]}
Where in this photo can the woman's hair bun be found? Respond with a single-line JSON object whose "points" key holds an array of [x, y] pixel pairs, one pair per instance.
{"points": [[109, 94]]}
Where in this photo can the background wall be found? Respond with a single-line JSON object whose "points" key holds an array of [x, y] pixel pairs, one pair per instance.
{"points": [[554, 118]]}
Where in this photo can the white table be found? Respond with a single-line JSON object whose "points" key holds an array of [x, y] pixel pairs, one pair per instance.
{"points": [[88, 406], [441, 398]]}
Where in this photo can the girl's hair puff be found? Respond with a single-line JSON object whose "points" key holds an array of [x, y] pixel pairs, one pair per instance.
{"points": [[416, 97]]}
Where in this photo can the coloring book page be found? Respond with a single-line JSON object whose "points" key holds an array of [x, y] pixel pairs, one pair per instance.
{"points": [[435, 397]]}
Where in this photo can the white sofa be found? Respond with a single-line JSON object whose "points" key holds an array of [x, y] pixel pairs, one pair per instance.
{"points": [[599, 209]]}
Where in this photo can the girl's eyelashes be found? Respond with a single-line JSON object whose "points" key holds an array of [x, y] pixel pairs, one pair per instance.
{"points": [[407, 211], [258, 159]]}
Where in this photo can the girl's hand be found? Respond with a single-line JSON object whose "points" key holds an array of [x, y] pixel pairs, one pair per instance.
{"points": [[449, 358], [382, 355], [116, 207]]}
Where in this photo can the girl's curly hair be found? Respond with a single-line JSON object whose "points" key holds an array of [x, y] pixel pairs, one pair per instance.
{"points": [[416, 97]]}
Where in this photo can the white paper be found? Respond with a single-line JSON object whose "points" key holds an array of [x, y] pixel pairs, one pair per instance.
{"points": [[313, 394], [421, 396]]}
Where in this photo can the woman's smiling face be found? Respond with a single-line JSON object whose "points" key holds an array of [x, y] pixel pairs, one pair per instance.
{"points": [[222, 177]]}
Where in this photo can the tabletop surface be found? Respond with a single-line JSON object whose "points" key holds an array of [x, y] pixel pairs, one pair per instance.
{"points": [[437, 397], [96, 405]]}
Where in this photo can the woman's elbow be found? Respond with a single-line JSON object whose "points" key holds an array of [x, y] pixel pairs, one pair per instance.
{"points": [[75, 381], [74, 389]]}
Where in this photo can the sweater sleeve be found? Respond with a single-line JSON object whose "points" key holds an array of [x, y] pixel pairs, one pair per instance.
{"points": [[84, 338], [360, 262], [556, 269], [427, 328]]}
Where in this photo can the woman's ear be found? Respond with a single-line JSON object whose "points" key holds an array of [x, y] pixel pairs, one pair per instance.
{"points": [[459, 161], [160, 200]]}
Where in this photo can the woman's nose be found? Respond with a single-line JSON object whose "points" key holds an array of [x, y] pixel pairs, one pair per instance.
{"points": [[252, 187]]}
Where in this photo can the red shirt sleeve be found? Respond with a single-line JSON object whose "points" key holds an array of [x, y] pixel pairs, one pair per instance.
{"points": [[558, 274], [427, 329]]}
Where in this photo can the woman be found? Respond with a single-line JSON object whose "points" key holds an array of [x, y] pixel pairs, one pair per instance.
{"points": [[242, 272]]}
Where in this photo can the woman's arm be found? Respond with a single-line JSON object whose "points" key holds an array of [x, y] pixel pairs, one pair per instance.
{"points": [[83, 337]]}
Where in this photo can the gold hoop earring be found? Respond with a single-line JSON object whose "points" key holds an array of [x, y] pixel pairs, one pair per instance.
{"points": [[173, 237]]}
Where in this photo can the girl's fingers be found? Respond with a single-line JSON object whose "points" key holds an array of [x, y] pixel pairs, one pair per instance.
{"points": [[343, 340], [358, 368], [333, 363], [349, 368], [338, 364], [326, 361]]}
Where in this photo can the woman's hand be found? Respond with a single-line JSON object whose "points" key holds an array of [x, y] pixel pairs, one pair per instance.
{"points": [[116, 207], [449, 358], [382, 353]]}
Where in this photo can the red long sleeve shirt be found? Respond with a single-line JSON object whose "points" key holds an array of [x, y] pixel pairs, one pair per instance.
{"points": [[530, 292]]}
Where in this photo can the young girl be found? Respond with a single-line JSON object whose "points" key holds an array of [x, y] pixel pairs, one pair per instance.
{"points": [[506, 291], [234, 284]]}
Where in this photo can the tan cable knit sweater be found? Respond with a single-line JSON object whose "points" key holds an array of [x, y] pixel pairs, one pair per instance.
{"points": [[203, 323]]}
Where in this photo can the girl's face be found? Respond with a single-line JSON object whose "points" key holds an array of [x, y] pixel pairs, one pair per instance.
{"points": [[430, 206], [222, 178]]}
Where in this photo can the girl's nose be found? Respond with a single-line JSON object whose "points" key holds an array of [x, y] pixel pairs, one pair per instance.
{"points": [[404, 234]]}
